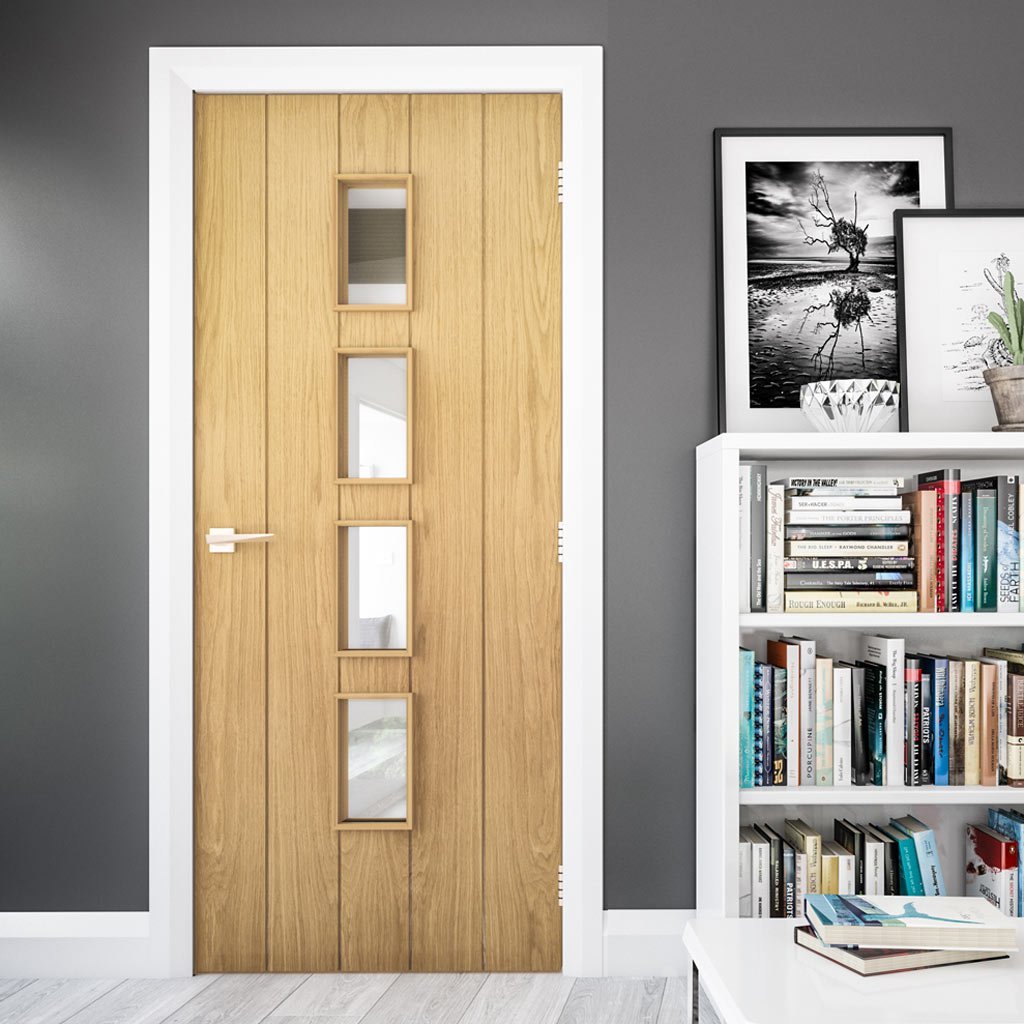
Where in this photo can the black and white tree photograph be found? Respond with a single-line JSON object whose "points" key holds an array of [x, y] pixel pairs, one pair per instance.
{"points": [[821, 272]]}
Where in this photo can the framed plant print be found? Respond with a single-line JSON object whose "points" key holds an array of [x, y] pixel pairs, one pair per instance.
{"points": [[952, 265], [806, 275]]}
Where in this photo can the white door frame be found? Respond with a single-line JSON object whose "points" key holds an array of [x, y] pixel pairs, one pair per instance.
{"points": [[158, 942], [175, 74]]}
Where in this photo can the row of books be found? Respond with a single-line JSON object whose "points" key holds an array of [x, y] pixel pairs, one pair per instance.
{"points": [[887, 934], [888, 719], [873, 543], [777, 871]]}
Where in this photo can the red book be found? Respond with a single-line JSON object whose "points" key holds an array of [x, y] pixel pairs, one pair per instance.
{"points": [[992, 865], [946, 484]]}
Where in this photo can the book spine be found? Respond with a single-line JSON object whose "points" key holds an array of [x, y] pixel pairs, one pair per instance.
{"points": [[927, 757], [849, 531], [957, 716], [912, 752], [1003, 720], [744, 518], [874, 867], [760, 880], [823, 722], [860, 728], [842, 492], [940, 721], [883, 580], [801, 882], [910, 871], [928, 863], [746, 668], [967, 583], [875, 713], [745, 867], [813, 851], [989, 726], [889, 653], [778, 883], [792, 718], [768, 727], [847, 875], [841, 503], [825, 601], [860, 563], [985, 553], [808, 712], [775, 553], [846, 549], [953, 539], [1008, 545], [779, 740], [842, 714], [758, 521], [759, 722], [1013, 828], [972, 724], [839, 518], [935, 482], [789, 879], [850, 482], [1015, 732]]}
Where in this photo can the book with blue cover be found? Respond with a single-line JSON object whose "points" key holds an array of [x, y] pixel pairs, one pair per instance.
{"points": [[910, 872], [746, 718], [938, 668], [896, 922], [927, 854], [967, 583]]}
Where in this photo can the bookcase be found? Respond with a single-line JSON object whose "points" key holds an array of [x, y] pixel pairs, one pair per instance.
{"points": [[722, 806]]}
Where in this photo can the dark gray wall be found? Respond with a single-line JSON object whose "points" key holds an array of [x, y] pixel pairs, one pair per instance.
{"points": [[73, 373]]}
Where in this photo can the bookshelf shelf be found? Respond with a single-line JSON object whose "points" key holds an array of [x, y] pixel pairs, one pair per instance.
{"points": [[875, 796], [887, 620], [722, 807]]}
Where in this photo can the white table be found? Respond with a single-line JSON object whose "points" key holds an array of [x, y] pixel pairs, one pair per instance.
{"points": [[753, 973]]}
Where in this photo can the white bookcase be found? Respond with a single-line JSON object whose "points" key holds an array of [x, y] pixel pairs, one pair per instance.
{"points": [[722, 807]]}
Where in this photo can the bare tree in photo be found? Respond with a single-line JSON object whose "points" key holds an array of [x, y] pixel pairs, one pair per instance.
{"points": [[842, 233]]}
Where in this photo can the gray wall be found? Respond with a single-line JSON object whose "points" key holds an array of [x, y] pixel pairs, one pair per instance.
{"points": [[73, 344]]}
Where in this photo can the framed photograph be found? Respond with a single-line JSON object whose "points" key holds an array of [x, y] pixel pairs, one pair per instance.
{"points": [[806, 278], [951, 269]]}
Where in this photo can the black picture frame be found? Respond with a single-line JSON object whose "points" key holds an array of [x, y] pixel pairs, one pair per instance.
{"points": [[719, 135], [901, 218]]}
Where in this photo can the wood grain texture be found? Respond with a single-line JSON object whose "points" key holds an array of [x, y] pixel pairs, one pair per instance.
{"points": [[50, 1000], [346, 997], [674, 1002], [447, 509], [613, 1000], [373, 136], [302, 672], [230, 407], [142, 1000], [426, 999], [519, 999], [8, 986], [238, 999], [522, 507]]}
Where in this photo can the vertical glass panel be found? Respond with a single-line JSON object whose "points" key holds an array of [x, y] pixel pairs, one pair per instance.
{"points": [[376, 225], [377, 584], [377, 769], [376, 445]]}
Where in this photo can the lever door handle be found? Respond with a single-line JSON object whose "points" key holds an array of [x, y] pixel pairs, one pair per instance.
{"points": [[222, 539]]}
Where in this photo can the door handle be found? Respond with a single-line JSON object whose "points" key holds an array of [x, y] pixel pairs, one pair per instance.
{"points": [[222, 539]]}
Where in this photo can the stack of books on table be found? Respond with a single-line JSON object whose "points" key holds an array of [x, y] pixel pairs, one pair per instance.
{"points": [[887, 934], [891, 717]]}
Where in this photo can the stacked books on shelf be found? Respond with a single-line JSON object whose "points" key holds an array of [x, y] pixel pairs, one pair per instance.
{"points": [[879, 543], [778, 870], [887, 934], [889, 718]]}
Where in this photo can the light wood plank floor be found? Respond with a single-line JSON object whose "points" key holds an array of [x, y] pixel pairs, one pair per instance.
{"points": [[345, 999]]}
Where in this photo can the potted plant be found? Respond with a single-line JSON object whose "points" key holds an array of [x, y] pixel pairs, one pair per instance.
{"points": [[1006, 383]]}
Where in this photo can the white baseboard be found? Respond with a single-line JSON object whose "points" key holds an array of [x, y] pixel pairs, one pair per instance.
{"points": [[75, 925], [645, 943]]}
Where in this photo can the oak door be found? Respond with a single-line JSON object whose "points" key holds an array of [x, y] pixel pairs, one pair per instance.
{"points": [[469, 881]]}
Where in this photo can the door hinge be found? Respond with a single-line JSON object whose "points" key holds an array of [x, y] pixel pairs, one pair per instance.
{"points": [[561, 182], [561, 885], [561, 541]]}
